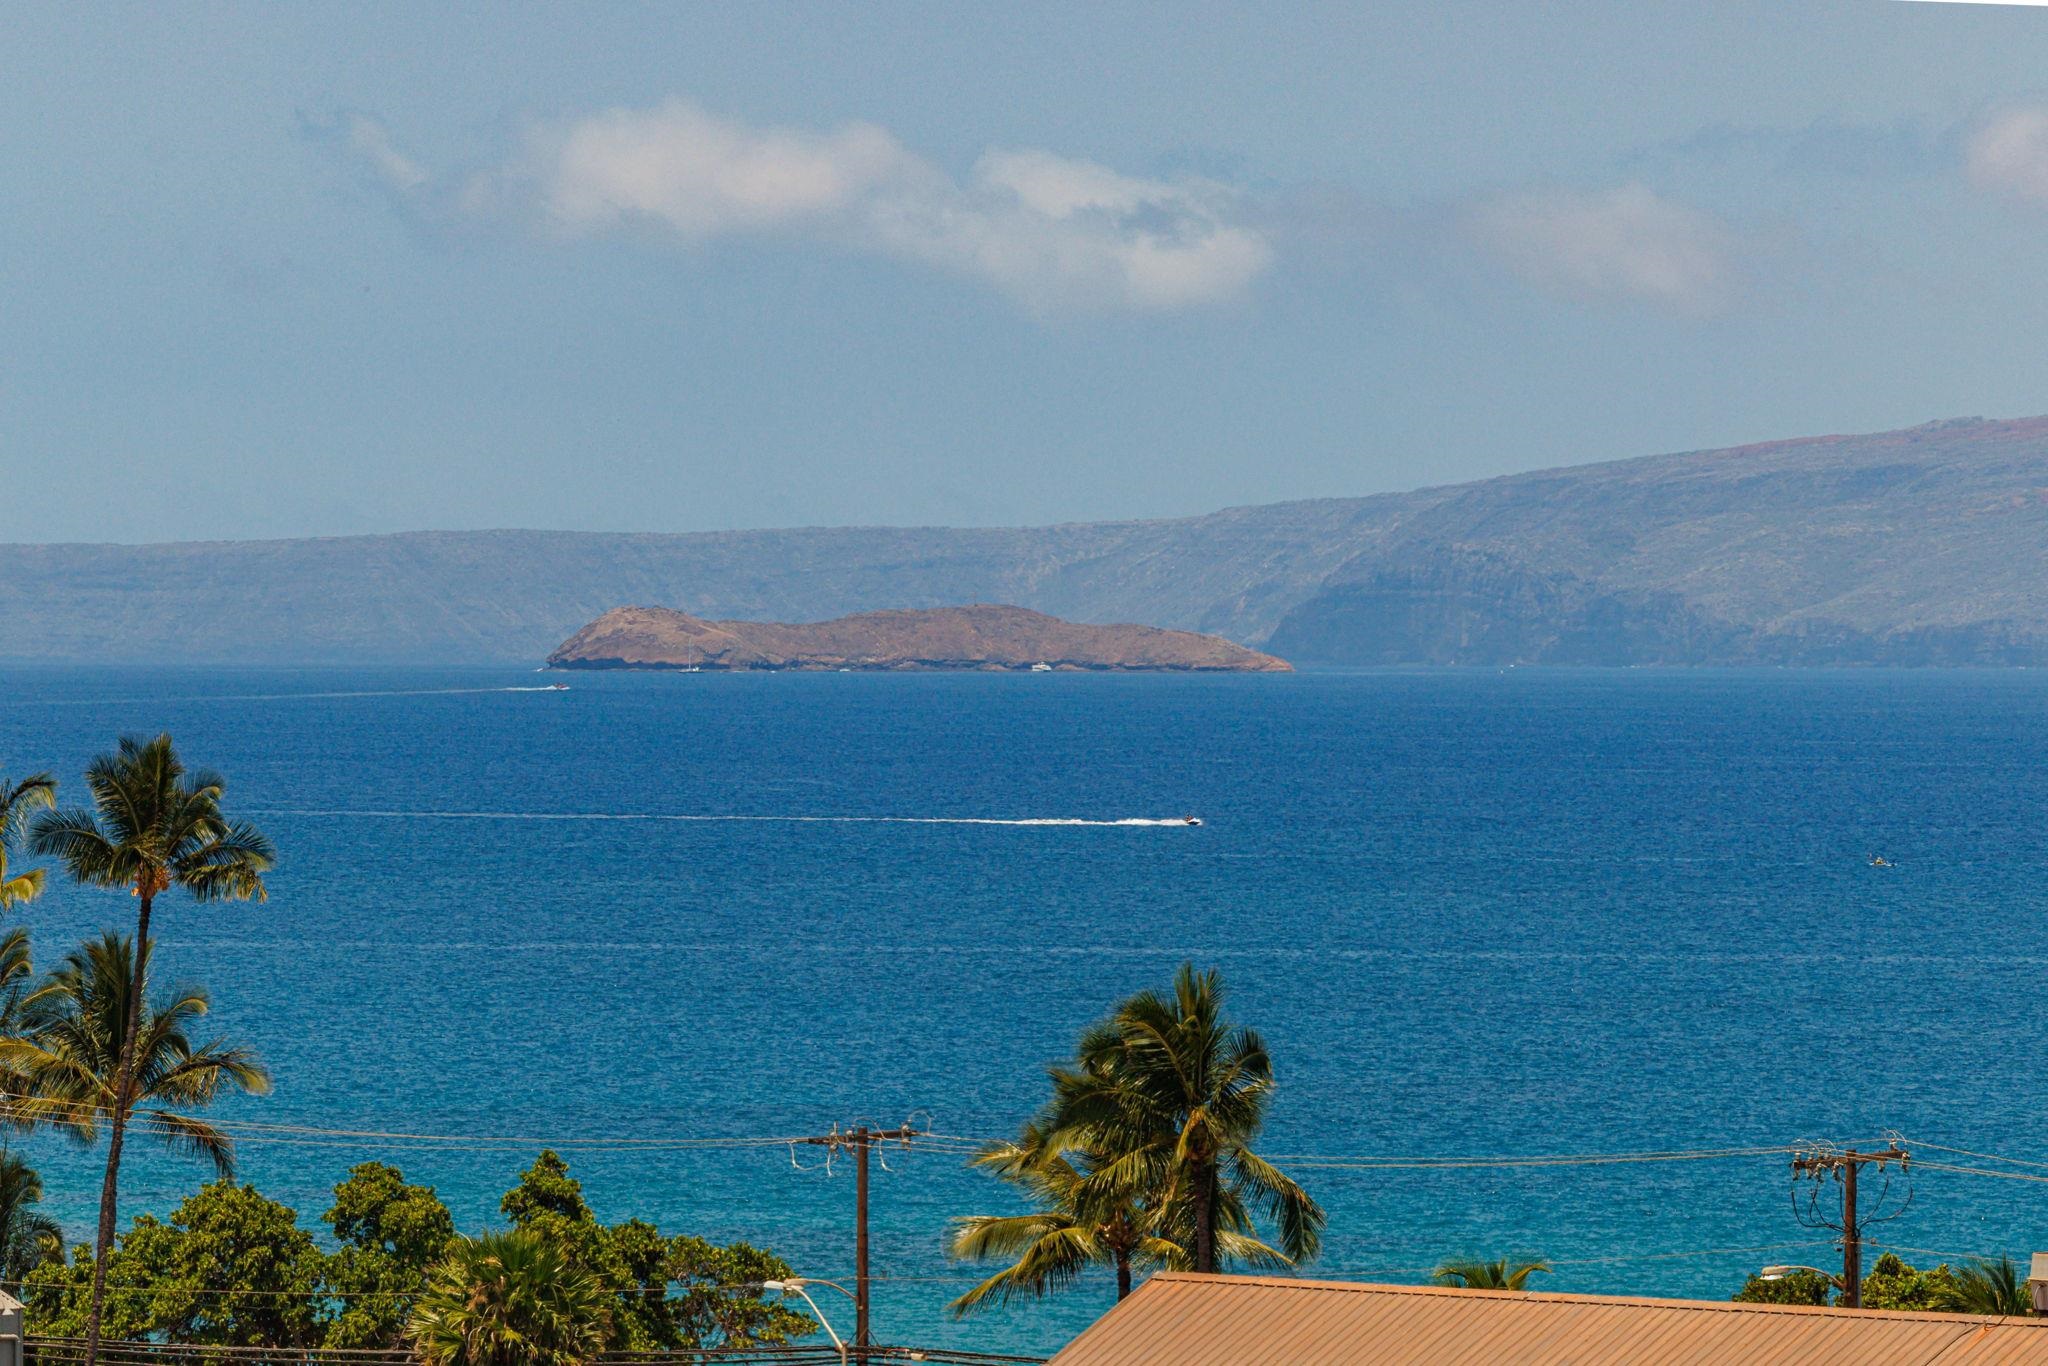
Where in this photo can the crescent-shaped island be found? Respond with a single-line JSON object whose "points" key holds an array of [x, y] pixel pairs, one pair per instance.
{"points": [[984, 637]]}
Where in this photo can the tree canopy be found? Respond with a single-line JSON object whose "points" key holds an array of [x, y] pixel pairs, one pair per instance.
{"points": [[231, 1267]]}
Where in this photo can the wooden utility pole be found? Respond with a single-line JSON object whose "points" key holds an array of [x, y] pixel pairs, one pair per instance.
{"points": [[859, 1140], [1845, 1165]]}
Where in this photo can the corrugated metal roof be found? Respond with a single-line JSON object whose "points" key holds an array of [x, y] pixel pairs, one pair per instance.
{"points": [[1177, 1319]]}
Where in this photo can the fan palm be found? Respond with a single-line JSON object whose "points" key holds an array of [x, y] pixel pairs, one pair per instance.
{"points": [[152, 826], [92, 1051], [1170, 1095], [510, 1299], [1497, 1275], [28, 1237]]}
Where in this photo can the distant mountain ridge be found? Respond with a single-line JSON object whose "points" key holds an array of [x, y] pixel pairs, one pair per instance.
{"points": [[980, 636], [1922, 546]]}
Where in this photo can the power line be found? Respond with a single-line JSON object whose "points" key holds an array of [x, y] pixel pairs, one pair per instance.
{"points": [[1986, 1157], [1920, 1165], [1542, 1160], [308, 1135]]}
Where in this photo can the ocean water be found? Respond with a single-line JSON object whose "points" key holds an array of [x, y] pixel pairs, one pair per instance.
{"points": [[1474, 913]]}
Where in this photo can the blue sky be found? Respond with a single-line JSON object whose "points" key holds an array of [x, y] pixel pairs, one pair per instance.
{"points": [[297, 270]]}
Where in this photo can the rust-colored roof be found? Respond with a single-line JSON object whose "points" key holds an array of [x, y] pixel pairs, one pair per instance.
{"points": [[1177, 1319]]}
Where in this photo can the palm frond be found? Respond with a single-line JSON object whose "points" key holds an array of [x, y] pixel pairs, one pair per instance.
{"points": [[1051, 1263], [193, 1137], [1300, 1218], [74, 838]]}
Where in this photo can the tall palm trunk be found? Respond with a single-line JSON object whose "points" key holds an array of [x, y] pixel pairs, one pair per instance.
{"points": [[1205, 1217], [124, 1081], [1123, 1274]]}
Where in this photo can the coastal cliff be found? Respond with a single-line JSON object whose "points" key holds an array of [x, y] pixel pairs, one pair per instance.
{"points": [[1914, 547], [983, 636]]}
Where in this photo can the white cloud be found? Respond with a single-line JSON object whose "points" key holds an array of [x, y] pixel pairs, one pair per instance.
{"points": [[1053, 233], [1060, 234], [1627, 243], [371, 141], [2008, 153], [703, 176]]}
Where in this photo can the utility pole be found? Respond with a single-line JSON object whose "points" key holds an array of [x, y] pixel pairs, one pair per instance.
{"points": [[859, 1140], [1844, 1166]]}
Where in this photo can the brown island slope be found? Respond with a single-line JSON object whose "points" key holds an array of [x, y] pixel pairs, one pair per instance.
{"points": [[978, 637]]}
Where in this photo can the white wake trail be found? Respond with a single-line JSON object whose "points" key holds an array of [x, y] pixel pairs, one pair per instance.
{"points": [[265, 696], [338, 814]]}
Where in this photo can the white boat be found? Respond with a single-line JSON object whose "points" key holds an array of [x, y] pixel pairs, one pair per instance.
{"points": [[1041, 667]]}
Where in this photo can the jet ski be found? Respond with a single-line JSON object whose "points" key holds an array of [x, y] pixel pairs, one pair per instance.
{"points": [[1190, 820]]}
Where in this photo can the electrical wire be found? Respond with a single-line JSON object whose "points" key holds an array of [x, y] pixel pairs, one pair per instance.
{"points": [[1923, 1165], [1965, 1152], [1542, 1160]]}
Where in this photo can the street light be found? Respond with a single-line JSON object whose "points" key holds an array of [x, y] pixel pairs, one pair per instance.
{"points": [[795, 1285]]}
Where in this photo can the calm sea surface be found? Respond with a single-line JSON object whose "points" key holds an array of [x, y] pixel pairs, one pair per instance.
{"points": [[1474, 913]]}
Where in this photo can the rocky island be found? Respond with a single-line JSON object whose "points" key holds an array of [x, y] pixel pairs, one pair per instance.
{"points": [[984, 636]]}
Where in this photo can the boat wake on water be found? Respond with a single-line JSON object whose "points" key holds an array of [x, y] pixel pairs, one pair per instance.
{"points": [[1176, 821], [273, 696]]}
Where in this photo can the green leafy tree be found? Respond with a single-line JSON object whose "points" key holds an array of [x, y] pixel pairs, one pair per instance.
{"points": [[390, 1233], [1799, 1287], [229, 1268], [1496, 1275], [95, 1052], [1893, 1284], [152, 827], [510, 1299], [59, 1295], [702, 1309], [28, 1237], [1169, 1096], [238, 1271], [670, 1293]]}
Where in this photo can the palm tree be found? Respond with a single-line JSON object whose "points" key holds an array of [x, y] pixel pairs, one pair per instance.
{"points": [[1079, 1223], [28, 1237], [1075, 1227], [1988, 1287], [93, 1051], [1499, 1275], [152, 827], [1170, 1095], [17, 800], [510, 1299]]}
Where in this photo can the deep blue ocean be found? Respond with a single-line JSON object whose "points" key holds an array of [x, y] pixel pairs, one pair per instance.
{"points": [[1474, 913]]}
